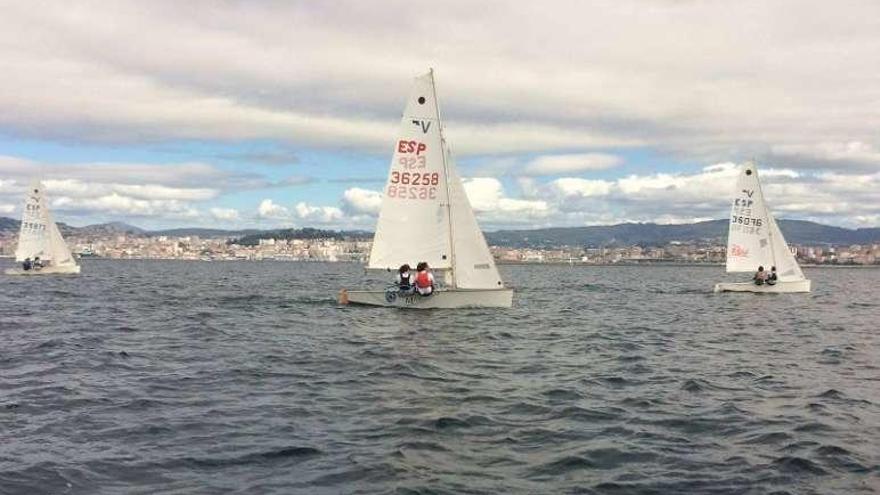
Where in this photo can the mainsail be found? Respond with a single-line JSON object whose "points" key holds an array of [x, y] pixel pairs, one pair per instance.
{"points": [[39, 236], [425, 214], [754, 239]]}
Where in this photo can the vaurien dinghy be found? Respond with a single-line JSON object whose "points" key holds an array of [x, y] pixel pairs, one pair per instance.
{"points": [[39, 238], [755, 240], [426, 216]]}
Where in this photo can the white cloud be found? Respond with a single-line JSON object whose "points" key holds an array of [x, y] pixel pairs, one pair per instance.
{"points": [[271, 210], [570, 186], [726, 83], [487, 198], [123, 205], [225, 214], [318, 214], [856, 154], [362, 201], [573, 163]]}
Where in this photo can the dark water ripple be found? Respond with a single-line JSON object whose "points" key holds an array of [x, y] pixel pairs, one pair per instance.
{"points": [[174, 377]]}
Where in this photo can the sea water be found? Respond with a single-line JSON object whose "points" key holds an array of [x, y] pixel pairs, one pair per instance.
{"points": [[247, 377]]}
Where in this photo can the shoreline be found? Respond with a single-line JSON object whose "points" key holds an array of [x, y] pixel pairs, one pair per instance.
{"points": [[630, 264]]}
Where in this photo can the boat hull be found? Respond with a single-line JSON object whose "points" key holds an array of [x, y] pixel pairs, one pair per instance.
{"points": [[778, 288], [440, 299], [48, 270]]}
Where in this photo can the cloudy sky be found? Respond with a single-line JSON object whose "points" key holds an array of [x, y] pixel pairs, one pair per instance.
{"points": [[262, 114]]}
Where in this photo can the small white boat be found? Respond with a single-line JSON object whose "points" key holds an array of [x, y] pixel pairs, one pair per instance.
{"points": [[39, 238], [754, 240], [426, 216]]}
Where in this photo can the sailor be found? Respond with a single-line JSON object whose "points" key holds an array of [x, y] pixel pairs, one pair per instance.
{"points": [[38, 263], [424, 279], [404, 278], [771, 279], [26, 265], [760, 277]]}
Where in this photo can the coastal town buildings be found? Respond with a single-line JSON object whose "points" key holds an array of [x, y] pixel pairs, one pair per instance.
{"points": [[141, 246]]}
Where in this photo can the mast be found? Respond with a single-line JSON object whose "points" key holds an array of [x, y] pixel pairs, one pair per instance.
{"points": [[446, 174], [767, 215]]}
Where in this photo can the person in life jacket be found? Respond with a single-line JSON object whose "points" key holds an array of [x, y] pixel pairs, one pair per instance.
{"points": [[771, 279], [424, 279], [405, 279], [26, 265], [760, 277]]}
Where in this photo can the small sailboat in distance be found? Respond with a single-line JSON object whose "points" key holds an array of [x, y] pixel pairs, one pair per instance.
{"points": [[426, 216], [40, 245], [754, 240]]}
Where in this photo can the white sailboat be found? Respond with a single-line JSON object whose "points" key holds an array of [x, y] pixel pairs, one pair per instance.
{"points": [[755, 240], [426, 216], [39, 237]]}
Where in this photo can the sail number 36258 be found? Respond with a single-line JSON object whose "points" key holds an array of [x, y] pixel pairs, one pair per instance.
{"points": [[415, 178], [411, 192]]}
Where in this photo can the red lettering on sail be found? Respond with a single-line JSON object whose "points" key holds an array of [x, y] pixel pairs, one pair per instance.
{"points": [[411, 147], [737, 251]]}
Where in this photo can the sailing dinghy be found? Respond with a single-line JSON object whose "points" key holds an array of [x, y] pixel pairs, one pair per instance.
{"points": [[755, 240], [39, 237], [426, 216]]}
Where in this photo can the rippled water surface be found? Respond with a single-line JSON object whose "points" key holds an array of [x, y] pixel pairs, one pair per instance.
{"points": [[192, 377]]}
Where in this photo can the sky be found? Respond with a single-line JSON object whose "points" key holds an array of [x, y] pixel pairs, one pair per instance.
{"points": [[267, 114]]}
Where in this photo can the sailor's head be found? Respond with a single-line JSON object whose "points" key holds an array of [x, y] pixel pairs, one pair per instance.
{"points": [[423, 265], [403, 268], [772, 268], [761, 268]]}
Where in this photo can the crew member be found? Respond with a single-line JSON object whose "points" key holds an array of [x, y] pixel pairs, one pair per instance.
{"points": [[424, 279], [760, 277], [404, 278]]}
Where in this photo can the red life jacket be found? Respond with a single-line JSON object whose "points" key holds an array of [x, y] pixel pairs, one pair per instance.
{"points": [[423, 280]]}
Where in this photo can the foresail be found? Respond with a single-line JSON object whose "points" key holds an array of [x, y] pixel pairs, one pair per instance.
{"points": [[787, 268], [748, 239], [413, 223], [58, 251], [474, 265], [33, 237]]}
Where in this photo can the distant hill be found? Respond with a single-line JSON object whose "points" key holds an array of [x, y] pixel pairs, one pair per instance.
{"points": [[651, 234], [206, 233], [626, 234]]}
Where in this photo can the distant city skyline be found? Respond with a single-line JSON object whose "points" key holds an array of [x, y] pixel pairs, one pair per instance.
{"points": [[278, 114]]}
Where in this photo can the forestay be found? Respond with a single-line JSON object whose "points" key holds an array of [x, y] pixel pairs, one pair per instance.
{"points": [[413, 221]]}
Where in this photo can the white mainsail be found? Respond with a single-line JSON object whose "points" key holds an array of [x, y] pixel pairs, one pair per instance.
{"points": [[39, 236], [754, 239], [413, 222], [425, 213]]}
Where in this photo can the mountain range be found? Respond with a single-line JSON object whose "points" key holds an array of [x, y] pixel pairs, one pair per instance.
{"points": [[625, 234]]}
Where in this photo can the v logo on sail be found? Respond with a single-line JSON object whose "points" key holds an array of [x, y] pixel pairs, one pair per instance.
{"points": [[425, 126]]}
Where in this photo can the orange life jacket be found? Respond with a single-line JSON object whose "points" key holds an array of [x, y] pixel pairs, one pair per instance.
{"points": [[423, 280]]}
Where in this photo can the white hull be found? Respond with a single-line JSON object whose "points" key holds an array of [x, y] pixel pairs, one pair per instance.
{"points": [[48, 270], [446, 299], [778, 288]]}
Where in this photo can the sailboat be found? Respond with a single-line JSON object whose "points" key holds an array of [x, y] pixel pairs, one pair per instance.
{"points": [[426, 216], [39, 237], [755, 240]]}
